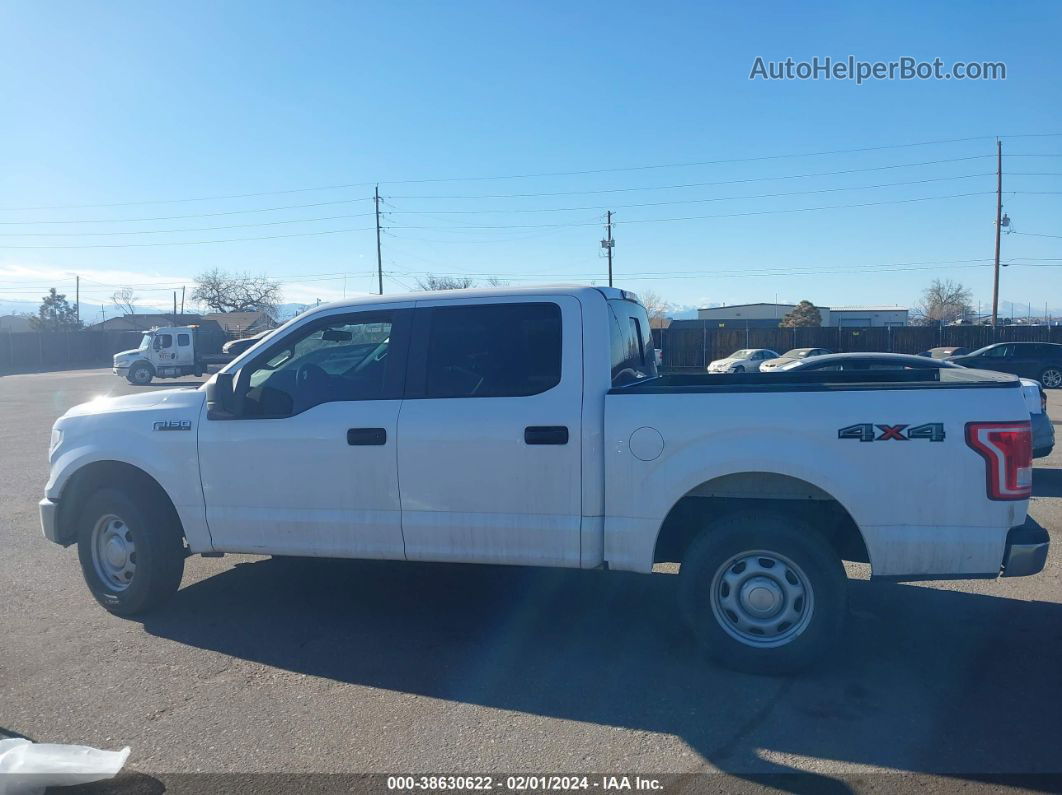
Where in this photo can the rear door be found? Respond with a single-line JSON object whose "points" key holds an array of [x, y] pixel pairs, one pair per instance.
{"points": [[489, 437]]}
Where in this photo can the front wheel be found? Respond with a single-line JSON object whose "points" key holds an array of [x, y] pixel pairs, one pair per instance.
{"points": [[1051, 378], [140, 375], [738, 370], [763, 593], [131, 552]]}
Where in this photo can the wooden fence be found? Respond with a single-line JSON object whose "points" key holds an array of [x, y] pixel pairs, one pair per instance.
{"points": [[694, 348]]}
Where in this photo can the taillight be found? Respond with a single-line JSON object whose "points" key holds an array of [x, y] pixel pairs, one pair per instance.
{"points": [[1006, 448]]}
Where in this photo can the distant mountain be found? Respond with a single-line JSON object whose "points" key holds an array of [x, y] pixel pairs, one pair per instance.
{"points": [[288, 311], [19, 307]]}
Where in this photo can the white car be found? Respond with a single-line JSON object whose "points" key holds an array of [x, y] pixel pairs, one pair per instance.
{"points": [[747, 360], [530, 427]]}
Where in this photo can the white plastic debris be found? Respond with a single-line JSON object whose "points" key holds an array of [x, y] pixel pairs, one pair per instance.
{"points": [[26, 768]]}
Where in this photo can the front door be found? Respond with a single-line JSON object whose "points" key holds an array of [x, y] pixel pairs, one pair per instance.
{"points": [[490, 435], [309, 466]]}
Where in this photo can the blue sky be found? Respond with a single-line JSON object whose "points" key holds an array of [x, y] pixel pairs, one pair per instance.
{"points": [[141, 103]]}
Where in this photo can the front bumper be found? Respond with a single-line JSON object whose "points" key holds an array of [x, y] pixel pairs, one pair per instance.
{"points": [[50, 519], [1026, 550]]}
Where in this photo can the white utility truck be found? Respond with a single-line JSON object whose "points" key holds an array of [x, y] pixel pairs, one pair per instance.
{"points": [[530, 427], [165, 352]]}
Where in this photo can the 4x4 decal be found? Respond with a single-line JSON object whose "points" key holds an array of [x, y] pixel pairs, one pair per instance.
{"points": [[874, 432]]}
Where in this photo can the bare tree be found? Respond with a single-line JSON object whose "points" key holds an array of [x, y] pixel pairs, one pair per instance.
{"points": [[943, 302], [656, 307], [432, 282], [125, 300], [237, 292]]}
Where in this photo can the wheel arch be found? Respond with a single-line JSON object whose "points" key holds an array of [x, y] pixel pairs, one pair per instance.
{"points": [[783, 493], [100, 474]]}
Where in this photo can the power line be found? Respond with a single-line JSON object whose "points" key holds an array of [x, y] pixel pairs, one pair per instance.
{"points": [[688, 164], [183, 217], [198, 242], [699, 217], [186, 229], [696, 184], [698, 201]]}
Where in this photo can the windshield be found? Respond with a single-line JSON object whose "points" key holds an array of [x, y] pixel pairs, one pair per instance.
{"points": [[982, 351], [145, 342], [797, 353], [745, 354]]}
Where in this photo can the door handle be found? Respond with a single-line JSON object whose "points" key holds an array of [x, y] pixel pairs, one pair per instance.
{"points": [[366, 436], [546, 434]]}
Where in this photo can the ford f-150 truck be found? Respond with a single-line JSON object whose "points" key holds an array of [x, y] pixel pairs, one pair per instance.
{"points": [[531, 427]]}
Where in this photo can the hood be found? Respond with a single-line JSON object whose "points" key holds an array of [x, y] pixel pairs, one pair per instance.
{"points": [[162, 398], [779, 361], [723, 361], [130, 352]]}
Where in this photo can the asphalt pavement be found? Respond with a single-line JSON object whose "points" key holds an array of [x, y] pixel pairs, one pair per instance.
{"points": [[268, 666]]}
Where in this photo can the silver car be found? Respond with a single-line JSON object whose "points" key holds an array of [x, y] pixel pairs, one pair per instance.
{"points": [[747, 360], [794, 355]]}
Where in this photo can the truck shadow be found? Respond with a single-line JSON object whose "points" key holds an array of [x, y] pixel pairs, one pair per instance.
{"points": [[928, 680]]}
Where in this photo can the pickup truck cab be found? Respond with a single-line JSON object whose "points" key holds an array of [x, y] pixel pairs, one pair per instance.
{"points": [[165, 352], [531, 427]]}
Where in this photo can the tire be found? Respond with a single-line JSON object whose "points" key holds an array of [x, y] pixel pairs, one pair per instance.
{"points": [[131, 552], [725, 578], [1051, 377], [140, 375], [739, 369]]}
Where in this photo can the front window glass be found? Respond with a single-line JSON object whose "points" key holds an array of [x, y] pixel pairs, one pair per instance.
{"points": [[344, 360], [145, 342]]}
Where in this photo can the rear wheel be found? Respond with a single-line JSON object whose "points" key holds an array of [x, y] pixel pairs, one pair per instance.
{"points": [[140, 374], [763, 593], [131, 552], [1051, 378]]}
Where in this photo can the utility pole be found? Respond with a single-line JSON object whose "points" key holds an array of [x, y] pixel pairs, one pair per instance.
{"points": [[379, 258], [999, 229], [182, 300], [77, 299], [174, 306], [608, 243]]}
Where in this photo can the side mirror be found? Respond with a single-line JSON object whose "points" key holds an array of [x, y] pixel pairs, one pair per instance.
{"points": [[221, 398]]}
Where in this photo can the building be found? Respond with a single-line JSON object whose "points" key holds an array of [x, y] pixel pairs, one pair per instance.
{"points": [[746, 315], [146, 321], [764, 315], [242, 324], [866, 316], [15, 323]]}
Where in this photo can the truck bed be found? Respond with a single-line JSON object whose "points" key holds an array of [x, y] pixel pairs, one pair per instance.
{"points": [[818, 381]]}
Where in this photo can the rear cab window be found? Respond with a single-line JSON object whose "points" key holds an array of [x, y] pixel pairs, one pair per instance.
{"points": [[631, 341]]}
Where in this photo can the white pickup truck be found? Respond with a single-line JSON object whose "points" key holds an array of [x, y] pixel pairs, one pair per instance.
{"points": [[530, 427]]}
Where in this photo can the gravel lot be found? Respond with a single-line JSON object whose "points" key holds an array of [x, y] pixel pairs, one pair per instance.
{"points": [[340, 666]]}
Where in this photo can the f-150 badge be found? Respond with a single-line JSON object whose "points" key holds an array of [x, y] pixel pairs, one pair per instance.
{"points": [[873, 432], [173, 425]]}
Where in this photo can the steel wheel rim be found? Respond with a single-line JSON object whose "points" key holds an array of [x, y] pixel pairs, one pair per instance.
{"points": [[113, 552], [1052, 378], [140, 375], [762, 599]]}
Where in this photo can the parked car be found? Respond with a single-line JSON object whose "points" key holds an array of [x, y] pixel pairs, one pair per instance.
{"points": [[835, 362], [945, 352], [794, 355], [1043, 431], [747, 360], [530, 427], [1039, 360], [236, 347]]}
